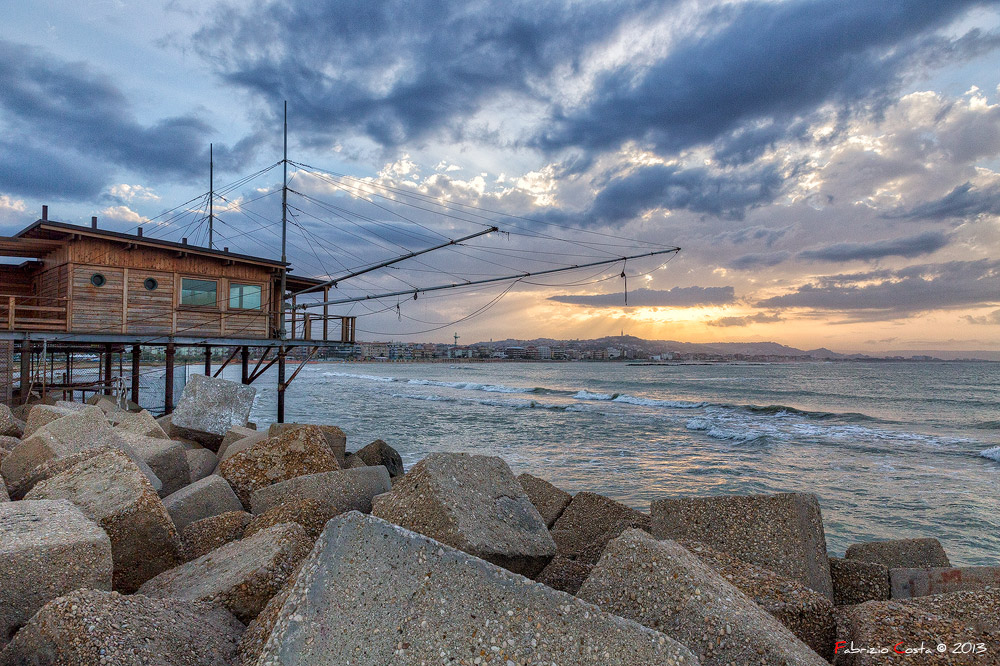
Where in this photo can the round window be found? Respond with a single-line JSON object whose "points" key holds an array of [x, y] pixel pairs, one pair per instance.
{"points": [[98, 280], [150, 284]]}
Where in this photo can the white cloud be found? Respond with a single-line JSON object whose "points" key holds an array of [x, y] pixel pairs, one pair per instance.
{"points": [[128, 193], [124, 214]]}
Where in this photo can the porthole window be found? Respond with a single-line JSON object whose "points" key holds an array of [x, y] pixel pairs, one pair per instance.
{"points": [[98, 280], [150, 284]]}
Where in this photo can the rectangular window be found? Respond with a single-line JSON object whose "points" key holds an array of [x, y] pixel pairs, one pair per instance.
{"points": [[244, 296], [199, 292]]}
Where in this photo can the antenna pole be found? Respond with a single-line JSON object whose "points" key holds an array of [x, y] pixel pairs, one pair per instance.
{"points": [[282, 333], [211, 194]]}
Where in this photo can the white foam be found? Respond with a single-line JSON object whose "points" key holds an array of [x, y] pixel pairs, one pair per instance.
{"points": [[587, 395], [992, 454], [650, 402], [470, 386], [372, 378]]}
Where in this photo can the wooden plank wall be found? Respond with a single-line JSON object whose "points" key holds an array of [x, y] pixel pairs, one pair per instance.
{"points": [[97, 309], [149, 312]]}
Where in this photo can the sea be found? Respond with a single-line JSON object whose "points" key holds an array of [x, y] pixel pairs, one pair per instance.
{"points": [[891, 449]]}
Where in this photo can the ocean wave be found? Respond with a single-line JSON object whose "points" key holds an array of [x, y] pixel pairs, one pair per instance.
{"points": [[729, 434], [471, 386], [785, 410], [986, 425], [587, 395], [507, 404], [992, 454], [373, 378], [650, 402]]}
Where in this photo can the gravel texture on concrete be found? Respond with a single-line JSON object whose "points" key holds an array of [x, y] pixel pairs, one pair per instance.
{"points": [[908, 583], [259, 629], [209, 407], [900, 553], [807, 613], [783, 532], [95, 628], [50, 468], [589, 522], [203, 536], [202, 499], [352, 461], [8, 442], [562, 573], [374, 593], [295, 452], [201, 461], [40, 415], [235, 434], [139, 423], [111, 491], [335, 437], [549, 500], [347, 489], [380, 453], [473, 503], [311, 514], [47, 548], [165, 457], [4, 496], [8, 424], [664, 587], [241, 575], [959, 621], [856, 581]]}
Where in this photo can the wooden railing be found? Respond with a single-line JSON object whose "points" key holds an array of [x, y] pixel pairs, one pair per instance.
{"points": [[316, 326], [32, 313]]}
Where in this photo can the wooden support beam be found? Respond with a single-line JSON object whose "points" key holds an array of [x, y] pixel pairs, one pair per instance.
{"points": [[281, 384], [25, 370], [245, 364], [208, 361], [107, 368], [236, 350], [308, 358], [326, 314], [255, 374], [136, 358], [168, 380]]}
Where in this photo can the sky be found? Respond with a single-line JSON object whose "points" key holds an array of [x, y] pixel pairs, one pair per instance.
{"points": [[829, 169]]}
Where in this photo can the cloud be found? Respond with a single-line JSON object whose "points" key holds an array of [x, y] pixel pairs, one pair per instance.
{"points": [[759, 318], [125, 192], [124, 214], [13, 212], [991, 319], [909, 247], [759, 260], [909, 290], [675, 297], [773, 61], [965, 201], [756, 233], [30, 168]]}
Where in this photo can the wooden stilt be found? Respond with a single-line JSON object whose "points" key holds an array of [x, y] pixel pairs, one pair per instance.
{"points": [[245, 364], [168, 385], [281, 385], [107, 369], [136, 357], [208, 361]]}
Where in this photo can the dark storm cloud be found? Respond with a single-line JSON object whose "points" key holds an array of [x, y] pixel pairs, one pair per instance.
{"points": [[759, 260], [768, 61], [913, 289], [759, 318], [748, 234], [965, 201], [909, 247], [676, 297], [398, 70], [726, 195], [77, 116]]}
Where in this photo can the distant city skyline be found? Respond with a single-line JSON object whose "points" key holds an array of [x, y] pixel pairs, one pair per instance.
{"points": [[831, 169]]}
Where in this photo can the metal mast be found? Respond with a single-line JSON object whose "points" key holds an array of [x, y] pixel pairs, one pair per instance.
{"points": [[282, 333], [211, 195]]}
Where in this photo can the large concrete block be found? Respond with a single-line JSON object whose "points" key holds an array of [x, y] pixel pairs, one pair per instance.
{"points": [[8, 443], [549, 500], [167, 459], [472, 503], [907, 583], [202, 499], [112, 491], [900, 553], [4, 496], [295, 452], [434, 604], [40, 415], [335, 437], [562, 573], [203, 536], [8, 424], [783, 532], [67, 433], [380, 453], [589, 522], [242, 575], [201, 461], [93, 627], [227, 451], [807, 613], [47, 548], [209, 407], [139, 423], [52, 467], [235, 434], [961, 621], [664, 587], [346, 489], [857, 581], [311, 514]]}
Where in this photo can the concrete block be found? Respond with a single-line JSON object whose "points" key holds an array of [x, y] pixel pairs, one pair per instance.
{"points": [[47, 549], [335, 437], [549, 500], [352, 461], [202, 499], [562, 573], [112, 491], [140, 423], [589, 522], [4, 496], [8, 443], [95, 627], [242, 575], [167, 459], [664, 587], [227, 451], [472, 503], [203, 536], [380, 453], [439, 605], [50, 468], [783, 532], [907, 583], [901, 553], [201, 461], [8, 424], [857, 581], [807, 613], [39, 415], [235, 434], [348, 489], [209, 407], [311, 514], [295, 452]]}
